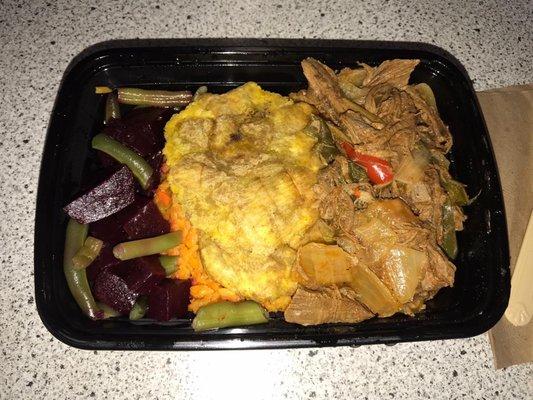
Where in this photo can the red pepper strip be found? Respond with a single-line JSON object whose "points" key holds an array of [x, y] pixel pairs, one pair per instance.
{"points": [[379, 171]]}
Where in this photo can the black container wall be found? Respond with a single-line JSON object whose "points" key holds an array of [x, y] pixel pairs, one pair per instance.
{"points": [[482, 285]]}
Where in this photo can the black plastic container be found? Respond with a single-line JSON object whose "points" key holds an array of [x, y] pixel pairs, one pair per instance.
{"points": [[481, 291]]}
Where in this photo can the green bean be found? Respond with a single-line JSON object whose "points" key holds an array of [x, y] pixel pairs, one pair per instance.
{"points": [[449, 239], [87, 253], [456, 191], [138, 166], [226, 314], [112, 108], [139, 308], [169, 263], [108, 311], [77, 279], [155, 98], [146, 247]]}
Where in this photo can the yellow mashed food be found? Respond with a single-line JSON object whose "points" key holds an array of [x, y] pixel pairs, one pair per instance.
{"points": [[241, 170]]}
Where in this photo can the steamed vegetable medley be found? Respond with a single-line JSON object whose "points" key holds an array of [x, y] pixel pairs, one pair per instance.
{"points": [[331, 205]]}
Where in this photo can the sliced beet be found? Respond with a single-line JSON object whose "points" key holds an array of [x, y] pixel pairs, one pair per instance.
{"points": [[146, 222], [111, 229], [102, 264], [169, 299], [111, 195], [112, 290], [143, 274], [141, 129], [155, 161]]}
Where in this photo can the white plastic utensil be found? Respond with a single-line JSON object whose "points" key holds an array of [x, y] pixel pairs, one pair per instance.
{"points": [[520, 308]]}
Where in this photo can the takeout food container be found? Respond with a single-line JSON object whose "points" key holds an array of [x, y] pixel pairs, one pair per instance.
{"points": [[472, 306]]}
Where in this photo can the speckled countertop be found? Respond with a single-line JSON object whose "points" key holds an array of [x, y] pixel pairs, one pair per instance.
{"points": [[37, 41]]}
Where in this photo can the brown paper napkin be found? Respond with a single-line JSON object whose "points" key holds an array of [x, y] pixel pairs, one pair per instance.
{"points": [[508, 113]]}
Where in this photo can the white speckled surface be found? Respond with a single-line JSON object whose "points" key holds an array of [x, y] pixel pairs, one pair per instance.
{"points": [[38, 40]]}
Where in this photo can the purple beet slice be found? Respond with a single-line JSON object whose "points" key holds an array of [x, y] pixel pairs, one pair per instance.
{"points": [[155, 161], [113, 194], [102, 264], [143, 274], [112, 290], [111, 229], [141, 129], [146, 222], [169, 299]]}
